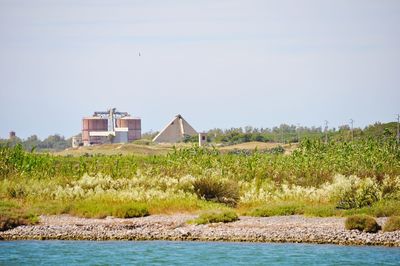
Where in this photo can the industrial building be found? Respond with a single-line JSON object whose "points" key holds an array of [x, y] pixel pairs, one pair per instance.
{"points": [[109, 127], [175, 131]]}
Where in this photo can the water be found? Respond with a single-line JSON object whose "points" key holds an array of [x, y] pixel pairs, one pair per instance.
{"points": [[189, 253]]}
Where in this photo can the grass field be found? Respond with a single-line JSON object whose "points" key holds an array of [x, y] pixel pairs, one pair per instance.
{"points": [[317, 179]]}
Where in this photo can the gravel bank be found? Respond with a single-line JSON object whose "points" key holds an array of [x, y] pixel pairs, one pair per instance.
{"points": [[295, 228]]}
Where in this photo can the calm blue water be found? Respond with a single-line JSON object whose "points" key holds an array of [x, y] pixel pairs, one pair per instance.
{"points": [[189, 253]]}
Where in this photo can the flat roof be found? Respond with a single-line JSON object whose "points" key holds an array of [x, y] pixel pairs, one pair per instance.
{"points": [[95, 117], [130, 117]]}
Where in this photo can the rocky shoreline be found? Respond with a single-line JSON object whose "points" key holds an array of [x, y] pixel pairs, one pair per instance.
{"points": [[296, 229]]}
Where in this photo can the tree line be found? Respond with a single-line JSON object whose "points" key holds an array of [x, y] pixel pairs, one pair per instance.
{"points": [[51, 143], [283, 134], [291, 134]]}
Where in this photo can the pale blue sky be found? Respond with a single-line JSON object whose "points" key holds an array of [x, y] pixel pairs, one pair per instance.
{"points": [[218, 63]]}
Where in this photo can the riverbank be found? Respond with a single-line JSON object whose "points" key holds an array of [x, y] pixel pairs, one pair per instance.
{"points": [[296, 229]]}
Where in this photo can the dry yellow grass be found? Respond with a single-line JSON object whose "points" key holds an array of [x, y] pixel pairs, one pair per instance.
{"points": [[163, 148], [259, 145], [115, 149]]}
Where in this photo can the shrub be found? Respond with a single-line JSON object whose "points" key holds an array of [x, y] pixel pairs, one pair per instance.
{"points": [[12, 215], [367, 193], [216, 217], [223, 191], [353, 192], [16, 191], [7, 223], [10, 222], [391, 188], [392, 224], [276, 150], [362, 223]]}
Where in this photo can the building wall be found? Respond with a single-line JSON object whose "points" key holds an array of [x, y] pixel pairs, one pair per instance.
{"points": [[202, 138], [93, 124], [121, 137], [76, 141], [134, 126]]}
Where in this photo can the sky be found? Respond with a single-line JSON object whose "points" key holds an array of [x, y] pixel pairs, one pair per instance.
{"points": [[220, 64]]}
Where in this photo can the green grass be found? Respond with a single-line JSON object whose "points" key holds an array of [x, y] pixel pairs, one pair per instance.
{"points": [[383, 208], [101, 208], [216, 217], [321, 210], [91, 208], [277, 209], [291, 208], [191, 205]]}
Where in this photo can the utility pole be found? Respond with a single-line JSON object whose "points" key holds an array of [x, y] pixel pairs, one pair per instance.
{"points": [[298, 132], [352, 133], [326, 131], [398, 128]]}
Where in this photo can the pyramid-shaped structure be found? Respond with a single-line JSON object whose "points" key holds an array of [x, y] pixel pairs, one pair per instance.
{"points": [[175, 131]]}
